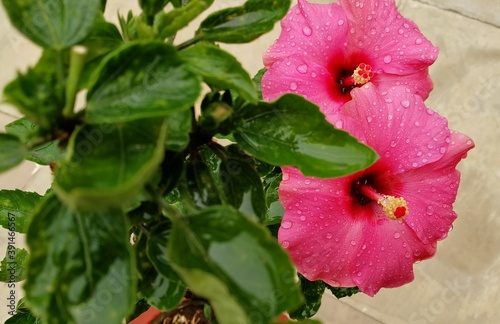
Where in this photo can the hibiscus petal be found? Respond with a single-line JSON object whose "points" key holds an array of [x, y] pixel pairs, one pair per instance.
{"points": [[313, 30], [388, 252], [398, 126], [431, 190], [316, 230], [296, 75], [419, 82], [394, 44]]}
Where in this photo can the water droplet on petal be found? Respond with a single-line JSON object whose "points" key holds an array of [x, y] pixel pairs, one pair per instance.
{"points": [[293, 86], [429, 210], [329, 235], [302, 68], [307, 31], [405, 103], [387, 59], [285, 244], [303, 218], [353, 243], [341, 22], [286, 176], [397, 235], [334, 283], [418, 41], [369, 119], [307, 181], [286, 224]]}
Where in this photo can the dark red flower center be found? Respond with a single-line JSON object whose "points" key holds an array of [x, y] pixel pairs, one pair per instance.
{"points": [[362, 74], [364, 191]]}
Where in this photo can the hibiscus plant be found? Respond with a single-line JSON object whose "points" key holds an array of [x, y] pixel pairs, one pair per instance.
{"points": [[178, 182]]}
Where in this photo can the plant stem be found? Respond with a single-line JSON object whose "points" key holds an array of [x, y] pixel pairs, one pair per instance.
{"points": [[76, 63], [190, 42]]}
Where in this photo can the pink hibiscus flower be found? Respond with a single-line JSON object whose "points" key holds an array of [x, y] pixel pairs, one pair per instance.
{"points": [[367, 229], [326, 50]]}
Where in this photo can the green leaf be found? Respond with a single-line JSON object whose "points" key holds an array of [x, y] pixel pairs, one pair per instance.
{"points": [[15, 207], [275, 210], [23, 315], [29, 134], [313, 292], [12, 152], [37, 93], [108, 164], [140, 307], [234, 263], [166, 24], [341, 292], [178, 129], [202, 186], [293, 132], [53, 24], [257, 79], [151, 7], [81, 266], [241, 183], [140, 80], [24, 318], [243, 24], [219, 68], [167, 288], [13, 266], [103, 38]]}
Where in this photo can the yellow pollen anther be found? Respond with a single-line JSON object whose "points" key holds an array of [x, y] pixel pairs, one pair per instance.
{"points": [[362, 74], [394, 208]]}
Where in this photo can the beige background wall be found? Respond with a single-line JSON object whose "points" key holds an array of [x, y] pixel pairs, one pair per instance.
{"points": [[462, 283]]}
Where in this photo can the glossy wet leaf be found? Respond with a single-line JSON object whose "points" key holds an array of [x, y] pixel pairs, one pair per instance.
{"points": [[15, 208], [13, 266], [140, 80], [243, 24], [202, 186], [53, 24], [241, 183], [275, 210], [108, 164], [28, 133], [291, 131], [167, 288], [12, 152], [86, 262], [234, 263], [313, 292], [166, 24], [220, 69], [37, 93]]}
